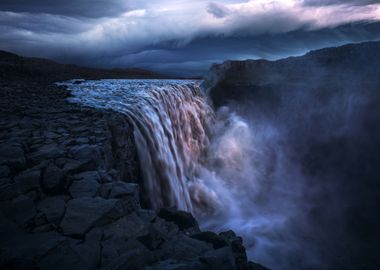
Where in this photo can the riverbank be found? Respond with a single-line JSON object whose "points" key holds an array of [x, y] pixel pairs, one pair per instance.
{"points": [[70, 195]]}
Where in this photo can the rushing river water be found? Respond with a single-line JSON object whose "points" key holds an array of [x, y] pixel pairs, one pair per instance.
{"points": [[209, 163]]}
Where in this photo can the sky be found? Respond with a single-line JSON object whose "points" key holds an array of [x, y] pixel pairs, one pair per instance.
{"points": [[181, 37]]}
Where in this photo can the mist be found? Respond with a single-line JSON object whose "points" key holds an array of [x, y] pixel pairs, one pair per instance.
{"points": [[295, 174]]}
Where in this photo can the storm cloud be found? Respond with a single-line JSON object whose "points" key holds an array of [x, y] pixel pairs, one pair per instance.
{"points": [[182, 37]]}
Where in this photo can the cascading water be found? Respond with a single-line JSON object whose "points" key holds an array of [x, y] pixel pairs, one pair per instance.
{"points": [[194, 159], [171, 119]]}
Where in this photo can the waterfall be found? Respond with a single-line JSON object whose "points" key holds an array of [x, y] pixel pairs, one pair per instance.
{"points": [[170, 119], [171, 137]]}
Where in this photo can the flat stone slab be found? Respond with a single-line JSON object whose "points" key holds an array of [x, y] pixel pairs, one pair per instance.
{"points": [[82, 214]]}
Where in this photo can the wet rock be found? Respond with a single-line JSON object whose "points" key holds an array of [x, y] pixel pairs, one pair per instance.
{"points": [[153, 240], [238, 250], [21, 209], [53, 179], [53, 208], [28, 180], [182, 247], [84, 188], [84, 213], [210, 237], [182, 219], [220, 259], [119, 189]]}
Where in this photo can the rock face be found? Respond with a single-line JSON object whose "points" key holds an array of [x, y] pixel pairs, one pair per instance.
{"points": [[70, 196]]}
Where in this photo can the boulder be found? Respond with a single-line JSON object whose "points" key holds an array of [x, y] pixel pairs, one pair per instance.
{"points": [[113, 248], [28, 180], [63, 256], [132, 259], [179, 265], [53, 179], [53, 208], [12, 155], [220, 259], [21, 251], [73, 166], [127, 192], [89, 252], [82, 214], [182, 247], [86, 151], [130, 226], [46, 152], [182, 219], [84, 188], [88, 175], [210, 237], [21, 209], [256, 266]]}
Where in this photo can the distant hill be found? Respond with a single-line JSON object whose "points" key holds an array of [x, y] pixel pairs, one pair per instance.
{"points": [[16, 67], [332, 68]]}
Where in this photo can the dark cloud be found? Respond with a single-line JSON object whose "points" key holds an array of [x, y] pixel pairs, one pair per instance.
{"points": [[86, 8], [179, 37], [217, 10], [196, 57]]}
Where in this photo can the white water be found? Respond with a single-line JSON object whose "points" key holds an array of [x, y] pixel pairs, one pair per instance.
{"points": [[212, 164]]}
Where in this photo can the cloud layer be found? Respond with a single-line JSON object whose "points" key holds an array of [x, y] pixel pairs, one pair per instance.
{"points": [[162, 34]]}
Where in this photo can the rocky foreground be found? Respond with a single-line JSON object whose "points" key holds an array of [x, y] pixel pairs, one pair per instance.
{"points": [[70, 192]]}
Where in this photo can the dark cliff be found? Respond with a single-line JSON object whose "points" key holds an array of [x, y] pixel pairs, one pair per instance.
{"points": [[332, 68]]}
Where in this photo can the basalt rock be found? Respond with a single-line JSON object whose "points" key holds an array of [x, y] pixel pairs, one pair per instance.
{"points": [[70, 189]]}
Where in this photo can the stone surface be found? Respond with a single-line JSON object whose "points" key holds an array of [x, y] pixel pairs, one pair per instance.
{"points": [[182, 219], [53, 179], [53, 208], [84, 213], [21, 209], [84, 188], [28, 180]]}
